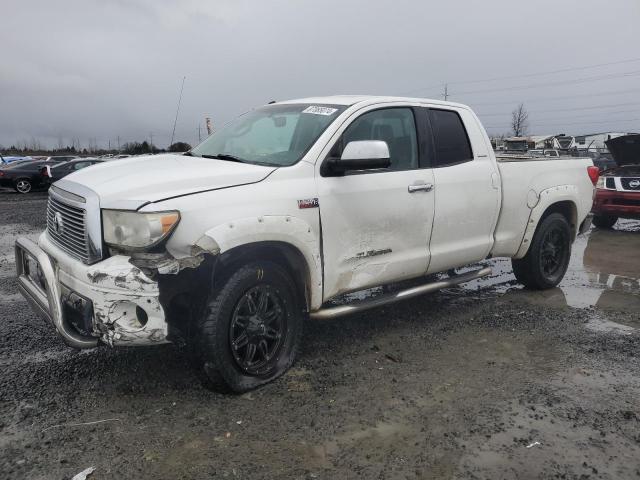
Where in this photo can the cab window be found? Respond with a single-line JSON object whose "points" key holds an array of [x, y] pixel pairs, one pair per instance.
{"points": [[450, 138], [396, 127]]}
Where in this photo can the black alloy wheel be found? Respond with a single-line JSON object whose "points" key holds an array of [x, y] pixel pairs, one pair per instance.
{"points": [[257, 328], [554, 251], [547, 259], [250, 331]]}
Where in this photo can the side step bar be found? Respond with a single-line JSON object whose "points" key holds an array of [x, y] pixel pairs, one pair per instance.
{"points": [[359, 306]]}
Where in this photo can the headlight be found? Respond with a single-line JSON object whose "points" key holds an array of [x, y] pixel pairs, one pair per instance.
{"points": [[600, 182], [137, 230]]}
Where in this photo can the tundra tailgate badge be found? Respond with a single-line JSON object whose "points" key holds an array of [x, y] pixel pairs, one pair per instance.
{"points": [[308, 203]]}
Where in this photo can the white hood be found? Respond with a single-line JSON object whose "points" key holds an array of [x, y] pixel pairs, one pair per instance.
{"points": [[132, 182]]}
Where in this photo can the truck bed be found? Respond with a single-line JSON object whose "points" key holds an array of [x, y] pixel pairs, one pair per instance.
{"points": [[523, 180]]}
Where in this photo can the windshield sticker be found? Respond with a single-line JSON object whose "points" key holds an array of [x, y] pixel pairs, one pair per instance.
{"points": [[316, 110]]}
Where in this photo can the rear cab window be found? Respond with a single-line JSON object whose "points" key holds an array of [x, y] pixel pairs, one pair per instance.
{"points": [[450, 138]]}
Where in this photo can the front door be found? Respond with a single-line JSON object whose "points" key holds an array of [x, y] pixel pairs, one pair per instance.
{"points": [[376, 224]]}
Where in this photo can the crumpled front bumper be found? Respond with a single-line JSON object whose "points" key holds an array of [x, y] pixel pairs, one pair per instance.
{"points": [[118, 301]]}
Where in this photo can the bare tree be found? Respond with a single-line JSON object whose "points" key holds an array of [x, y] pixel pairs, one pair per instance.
{"points": [[519, 121]]}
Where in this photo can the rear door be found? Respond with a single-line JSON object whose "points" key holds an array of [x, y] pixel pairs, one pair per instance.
{"points": [[376, 224], [467, 190]]}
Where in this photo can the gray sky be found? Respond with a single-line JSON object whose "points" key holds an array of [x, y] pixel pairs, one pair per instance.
{"points": [[107, 68]]}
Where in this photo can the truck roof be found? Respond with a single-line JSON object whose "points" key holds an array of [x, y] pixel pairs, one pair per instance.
{"points": [[369, 99]]}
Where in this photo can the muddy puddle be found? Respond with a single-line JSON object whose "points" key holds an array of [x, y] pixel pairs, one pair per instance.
{"points": [[603, 275]]}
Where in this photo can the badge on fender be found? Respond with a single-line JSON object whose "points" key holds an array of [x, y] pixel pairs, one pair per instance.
{"points": [[308, 203]]}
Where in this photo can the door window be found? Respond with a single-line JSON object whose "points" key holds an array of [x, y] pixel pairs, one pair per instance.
{"points": [[450, 137], [396, 127]]}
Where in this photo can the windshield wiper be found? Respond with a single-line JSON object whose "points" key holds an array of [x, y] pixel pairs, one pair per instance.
{"points": [[225, 156], [188, 154]]}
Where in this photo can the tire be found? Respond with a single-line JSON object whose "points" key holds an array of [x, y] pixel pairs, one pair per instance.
{"points": [[22, 185], [237, 325], [546, 262], [604, 221]]}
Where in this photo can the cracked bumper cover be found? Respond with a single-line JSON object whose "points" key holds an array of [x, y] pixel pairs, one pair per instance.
{"points": [[126, 307]]}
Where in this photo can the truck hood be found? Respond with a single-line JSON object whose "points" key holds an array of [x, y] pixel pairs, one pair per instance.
{"points": [[132, 182], [625, 150]]}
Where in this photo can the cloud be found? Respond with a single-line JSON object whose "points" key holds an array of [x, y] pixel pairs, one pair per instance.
{"points": [[112, 68]]}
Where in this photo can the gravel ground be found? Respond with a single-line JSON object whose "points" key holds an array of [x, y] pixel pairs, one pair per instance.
{"points": [[483, 381]]}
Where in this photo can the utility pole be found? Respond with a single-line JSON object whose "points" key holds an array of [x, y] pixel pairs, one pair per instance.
{"points": [[151, 141], [118, 143], [446, 92], [199, 134], [177, 110]]}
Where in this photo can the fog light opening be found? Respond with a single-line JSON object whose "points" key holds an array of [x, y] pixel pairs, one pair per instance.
{"points": [[142, 316]]}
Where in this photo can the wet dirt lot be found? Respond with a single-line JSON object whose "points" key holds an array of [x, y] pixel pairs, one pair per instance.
{"points": [[483, 381]]}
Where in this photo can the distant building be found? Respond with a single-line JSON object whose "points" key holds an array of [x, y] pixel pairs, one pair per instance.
{"points": [[594, 142]]}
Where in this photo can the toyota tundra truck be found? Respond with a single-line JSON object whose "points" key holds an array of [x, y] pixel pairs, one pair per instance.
{"points": [[230, 248]]}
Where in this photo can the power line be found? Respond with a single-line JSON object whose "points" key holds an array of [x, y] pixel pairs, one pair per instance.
{"points": [[525, 75], [548, 72], [594, 107], [621, 112], [601, 94], [545, 124], [550, 84]]}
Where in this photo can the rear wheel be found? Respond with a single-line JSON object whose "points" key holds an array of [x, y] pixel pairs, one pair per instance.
{"points": [[604, 221], [251, 330], [547, 260], [22, 185]]}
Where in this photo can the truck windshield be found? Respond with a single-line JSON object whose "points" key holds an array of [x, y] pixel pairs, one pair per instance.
{"points": [[277, 135]]}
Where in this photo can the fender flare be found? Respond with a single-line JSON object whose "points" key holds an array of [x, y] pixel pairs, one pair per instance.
{"points": [[545, 199], [279, 228]]}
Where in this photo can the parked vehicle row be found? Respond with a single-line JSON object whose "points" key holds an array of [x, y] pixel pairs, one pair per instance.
{"points": [[25, 176]]}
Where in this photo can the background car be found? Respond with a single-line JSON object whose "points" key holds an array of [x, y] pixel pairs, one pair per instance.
{"points": [[53, 173], [60, 158], [24, 176], [14, 158]]}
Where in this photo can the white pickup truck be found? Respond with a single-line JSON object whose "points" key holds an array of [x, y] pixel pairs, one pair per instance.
{"points": [[232, 246]]}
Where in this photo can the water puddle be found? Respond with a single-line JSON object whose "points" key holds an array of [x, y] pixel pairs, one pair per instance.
{"points": [[604, 273], [602, 325]]}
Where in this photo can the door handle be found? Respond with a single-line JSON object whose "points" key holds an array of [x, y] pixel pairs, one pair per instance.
{"points": [[422, 187]]}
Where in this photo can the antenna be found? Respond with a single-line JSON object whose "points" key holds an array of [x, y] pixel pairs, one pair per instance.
{"points": [[177, 111]]}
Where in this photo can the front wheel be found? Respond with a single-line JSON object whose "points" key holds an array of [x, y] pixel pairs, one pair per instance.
{"points": [[251, 330], [546, 262], [23, 185], [604, 221]]}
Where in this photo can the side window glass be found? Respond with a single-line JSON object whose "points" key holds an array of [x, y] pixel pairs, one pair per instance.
{"points": [[396, 126], [450, 137], [80, 165]]}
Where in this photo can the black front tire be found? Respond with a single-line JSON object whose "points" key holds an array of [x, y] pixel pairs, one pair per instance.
{"points": [[546, 262], [217, 335], [604, 221]]}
